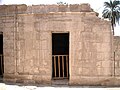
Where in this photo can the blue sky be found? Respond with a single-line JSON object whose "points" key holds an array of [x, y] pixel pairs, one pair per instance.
{"points": [[97, 5]]}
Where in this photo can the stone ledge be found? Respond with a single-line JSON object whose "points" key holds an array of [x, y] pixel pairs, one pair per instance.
{"points": [[95, 81], [14, 9]]}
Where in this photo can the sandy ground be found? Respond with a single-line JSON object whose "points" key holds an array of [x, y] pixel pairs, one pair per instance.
{"points": [[4, 86]]}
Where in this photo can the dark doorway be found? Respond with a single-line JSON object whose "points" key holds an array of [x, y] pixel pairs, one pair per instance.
{"points": [[1, 55], [60, 55]]}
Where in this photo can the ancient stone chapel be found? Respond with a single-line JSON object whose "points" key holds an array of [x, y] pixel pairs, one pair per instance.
{"points": [[44, 44]]}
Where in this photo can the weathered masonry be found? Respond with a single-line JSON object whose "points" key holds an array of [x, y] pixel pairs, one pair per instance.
{"points": [[45, 43]]}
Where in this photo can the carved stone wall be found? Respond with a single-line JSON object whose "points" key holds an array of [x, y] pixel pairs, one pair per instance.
{"points": [[117, 55], [27, 32]]}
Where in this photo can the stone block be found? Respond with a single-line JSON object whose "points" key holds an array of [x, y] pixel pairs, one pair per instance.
{"points": [[9, 52], [8, 36], [78, 56], [89, 46], [107, 38], [8, 44], [21, 44], [46, 80], [36, 58], [88, 28], [74, 71], [89, 64], [28, 66], [62, 8], [85, 7], [8, 17], [37, 78], [89, 55], [100, 56], [87, 36], [9, 65], [21, 55], [8, 20], [36, 24], [44, 35], [47, 63], [37, 36], [107, 71], [85, 72], [98, 38], [20, 69], [96, 29], [98, 64], [117, 71], [8, 30], [22, 7], [45, 55], [10, 25], [44, 45], [27, 69], [78, 63], [52, 8], [107, 56], [74, 7], [36, 44], [77, 36], [39, 8], [106, 64], [43, 71], [35, 70], [21, 24], [105, 47], [78, 46], [99, 71]]}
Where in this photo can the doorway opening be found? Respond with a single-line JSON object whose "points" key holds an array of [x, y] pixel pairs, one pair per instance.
{"points": [[1, 56], [60, 55]]}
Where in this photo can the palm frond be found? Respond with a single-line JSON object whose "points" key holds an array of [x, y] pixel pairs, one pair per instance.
{"points": [[116, 3], [112, 12], [107, 5], [117, 16], [106, 13]]}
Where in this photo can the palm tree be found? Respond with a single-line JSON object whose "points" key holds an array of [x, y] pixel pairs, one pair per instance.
{"points": [[112, 12]]}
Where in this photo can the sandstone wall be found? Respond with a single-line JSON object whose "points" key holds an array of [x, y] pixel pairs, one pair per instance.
{"points": [[8, 27], [117, 55], [91, 51], [11, 9], [27, 35]]}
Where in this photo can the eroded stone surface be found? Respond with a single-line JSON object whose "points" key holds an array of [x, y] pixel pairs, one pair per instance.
{"points": [[27, 32]]}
